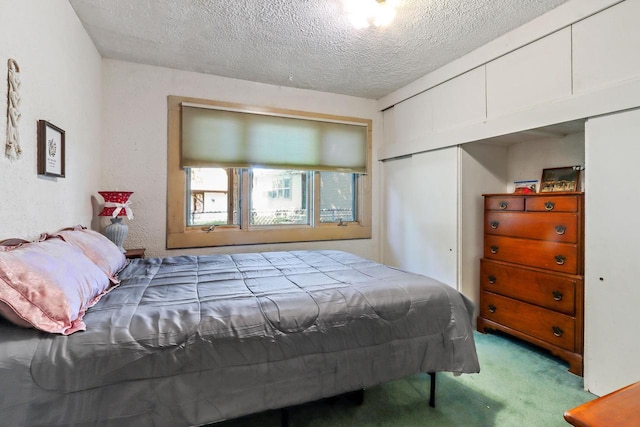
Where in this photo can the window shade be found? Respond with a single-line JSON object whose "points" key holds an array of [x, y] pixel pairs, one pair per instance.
{"points": [[221, 138]]}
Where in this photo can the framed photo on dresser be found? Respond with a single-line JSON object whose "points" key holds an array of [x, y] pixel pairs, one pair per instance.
{"points": [[560, 179]]}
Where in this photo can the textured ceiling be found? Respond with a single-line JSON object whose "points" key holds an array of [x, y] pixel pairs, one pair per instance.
{"points": [[307, 44]]}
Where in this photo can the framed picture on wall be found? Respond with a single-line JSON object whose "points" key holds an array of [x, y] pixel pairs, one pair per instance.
{"points": [[51, 147], [560, 179]]}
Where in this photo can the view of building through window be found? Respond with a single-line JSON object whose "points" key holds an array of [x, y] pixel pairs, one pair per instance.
{"points": [[279, 197], [337, 197], [211, 189], [276, 197]]}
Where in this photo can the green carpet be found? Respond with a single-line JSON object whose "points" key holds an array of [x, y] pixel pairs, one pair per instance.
{"points": [[519, 385]]}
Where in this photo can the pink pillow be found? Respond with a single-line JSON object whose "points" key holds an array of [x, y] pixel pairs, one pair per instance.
{"points": [[102, 251], [49, 285], [8, 313]]}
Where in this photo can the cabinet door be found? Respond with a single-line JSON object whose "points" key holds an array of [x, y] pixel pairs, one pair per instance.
{"points": [[612, 292], [420, 208]]}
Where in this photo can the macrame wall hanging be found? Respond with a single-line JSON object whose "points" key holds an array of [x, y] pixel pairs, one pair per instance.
{"points": [[12, 148]]}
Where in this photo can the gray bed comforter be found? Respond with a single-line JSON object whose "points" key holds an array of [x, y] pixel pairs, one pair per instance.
{"points": [[192, 340]]}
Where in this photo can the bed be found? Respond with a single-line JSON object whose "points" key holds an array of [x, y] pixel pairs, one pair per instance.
{"points": [[192, 340]]}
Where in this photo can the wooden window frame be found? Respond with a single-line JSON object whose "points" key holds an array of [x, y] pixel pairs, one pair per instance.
{"points": [[179, 235]]}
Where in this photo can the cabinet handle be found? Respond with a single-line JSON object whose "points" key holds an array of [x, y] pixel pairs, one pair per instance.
{"points": [[557, 331], [560, 229], [494, 224], [560, 259], [503, 205], [492, 279], [494, 249], [492, 308], [549, 206], [557, 295]]}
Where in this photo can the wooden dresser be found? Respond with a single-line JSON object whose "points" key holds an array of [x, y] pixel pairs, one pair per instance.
{"points": [[619, 408], [531, 276]]}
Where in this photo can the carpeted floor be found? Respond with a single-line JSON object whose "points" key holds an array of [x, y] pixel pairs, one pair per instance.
{"points": [[519, 385]]}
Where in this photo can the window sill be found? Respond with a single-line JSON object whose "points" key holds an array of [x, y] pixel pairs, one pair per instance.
{"points": [[196, 237]]}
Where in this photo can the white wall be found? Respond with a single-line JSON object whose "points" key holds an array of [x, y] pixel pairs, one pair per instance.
{"points": [[483, 169], [60, 73], [135, 142], [526, 160]]}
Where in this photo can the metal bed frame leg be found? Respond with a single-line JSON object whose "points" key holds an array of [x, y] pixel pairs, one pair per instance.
{"points": [[432, 392], [358, 397], [284, 420]]}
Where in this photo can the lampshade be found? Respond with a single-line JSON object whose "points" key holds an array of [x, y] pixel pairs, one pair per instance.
{"points": [[116, 203]]}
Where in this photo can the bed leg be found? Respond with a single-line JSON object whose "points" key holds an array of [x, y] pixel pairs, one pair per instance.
{"points": [[432, 392], [356, 397], [284, 420]]}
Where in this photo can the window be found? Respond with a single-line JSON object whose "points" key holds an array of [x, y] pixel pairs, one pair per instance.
{"points": [[337, 197], [214, 196], [239, 177], [281, 186], [278, 197]]}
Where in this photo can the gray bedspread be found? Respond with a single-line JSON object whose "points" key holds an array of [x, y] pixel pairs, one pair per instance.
{"points": [[192, 340]]}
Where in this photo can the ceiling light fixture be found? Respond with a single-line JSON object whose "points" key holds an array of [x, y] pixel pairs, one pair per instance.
{"points": [[364, 13]]}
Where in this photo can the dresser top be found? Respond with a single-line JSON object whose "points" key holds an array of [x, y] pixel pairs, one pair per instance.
{"points": [[546, 194]]}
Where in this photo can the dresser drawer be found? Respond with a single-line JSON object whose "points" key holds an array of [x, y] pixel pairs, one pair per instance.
{"points": [[547, 325], [552, 204], [558, 227], [504, 203], [562, 257], [553, 291]]}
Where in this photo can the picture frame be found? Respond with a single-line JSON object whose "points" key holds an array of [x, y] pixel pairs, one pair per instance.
{"points": [[560, 179], [525, 187], [51, 150]]}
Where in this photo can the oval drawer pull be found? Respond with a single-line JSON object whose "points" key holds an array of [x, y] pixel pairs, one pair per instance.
{"points": [[557, 295], [557, 331], [494, 224], [560, 229], [560, 259], [492, 280], [549, 206], [494, 249], [503, 205], [492, 308]]}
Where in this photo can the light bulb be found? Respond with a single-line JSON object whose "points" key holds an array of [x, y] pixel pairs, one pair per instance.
{"points": [[384, 14], [363, 13]]}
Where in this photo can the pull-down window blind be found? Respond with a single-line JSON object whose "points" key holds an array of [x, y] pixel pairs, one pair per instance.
{"points": [[222, 138]]}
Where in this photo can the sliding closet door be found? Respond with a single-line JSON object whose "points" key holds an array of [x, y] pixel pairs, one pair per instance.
{"points": [[612, 254], [420, 214]]}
